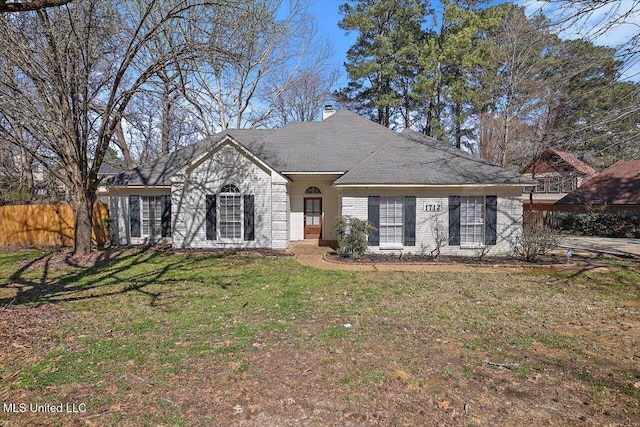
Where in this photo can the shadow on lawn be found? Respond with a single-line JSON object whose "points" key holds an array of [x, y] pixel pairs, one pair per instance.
{"points": [[618, 283], [626, 265], [113, 272]]}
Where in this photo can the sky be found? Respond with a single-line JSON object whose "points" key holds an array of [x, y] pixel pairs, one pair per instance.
{"points": [[328, 16]]}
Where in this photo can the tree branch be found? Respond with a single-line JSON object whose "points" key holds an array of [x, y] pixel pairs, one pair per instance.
{"points": [[25, 6]]}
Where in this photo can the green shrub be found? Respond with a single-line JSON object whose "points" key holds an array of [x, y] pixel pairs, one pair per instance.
{"points": [[353, 236], [602, 224]]}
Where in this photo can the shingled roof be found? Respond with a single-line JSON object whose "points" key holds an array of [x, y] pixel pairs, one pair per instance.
{"points": [[616, 185], [335, 144], [416, 159], [346, 143], [552, 160], [160, 171]]}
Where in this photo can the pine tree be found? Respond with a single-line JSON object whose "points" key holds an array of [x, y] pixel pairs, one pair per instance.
{"points": [[455, 53], [382, 63]]}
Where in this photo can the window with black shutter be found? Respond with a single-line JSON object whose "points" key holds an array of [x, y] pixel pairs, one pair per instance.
{"points": [[249, 229], [454, 220], [134, 215], [210, 223], [409, 221], [373, 217]]}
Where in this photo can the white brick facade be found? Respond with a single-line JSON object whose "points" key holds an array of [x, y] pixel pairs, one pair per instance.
{"points": [[227, 165], [430, 224], [278, 201], [119, 221]]}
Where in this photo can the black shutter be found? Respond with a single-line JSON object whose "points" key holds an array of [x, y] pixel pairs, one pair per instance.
{"points": [[410, 220], [211, 217], [374, 220], [491, 222], [249, 229], [134, 215], [454, 220], [166, 215]]}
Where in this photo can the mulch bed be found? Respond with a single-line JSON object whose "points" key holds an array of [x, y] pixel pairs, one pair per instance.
{"points": [[264, 252], [429, 259]]}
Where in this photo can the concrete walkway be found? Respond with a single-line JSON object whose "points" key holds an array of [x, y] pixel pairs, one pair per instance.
{"points": [[629, 248], [309, 253]]}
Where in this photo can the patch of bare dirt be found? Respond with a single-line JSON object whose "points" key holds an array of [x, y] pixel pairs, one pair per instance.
{"points": [[264, 252], [62, 258]]}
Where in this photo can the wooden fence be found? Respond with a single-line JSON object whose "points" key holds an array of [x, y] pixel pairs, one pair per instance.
{"points": [[534, 219], [47, 225]]}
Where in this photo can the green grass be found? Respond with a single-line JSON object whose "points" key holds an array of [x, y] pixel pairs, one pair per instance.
{"points": [[162, 327], [521, 341]]}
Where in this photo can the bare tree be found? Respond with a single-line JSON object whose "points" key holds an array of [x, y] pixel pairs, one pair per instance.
{"points": [[515, 95], [594, 18], [304, 99], [67, 77], [25, 6], [254, 46]]}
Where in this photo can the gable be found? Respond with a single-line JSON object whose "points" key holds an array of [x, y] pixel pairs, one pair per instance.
{"points": [[229, 157], [159, 172], [555, 161]]}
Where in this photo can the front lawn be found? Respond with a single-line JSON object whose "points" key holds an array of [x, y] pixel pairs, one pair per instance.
{"points": [[146, 337]]}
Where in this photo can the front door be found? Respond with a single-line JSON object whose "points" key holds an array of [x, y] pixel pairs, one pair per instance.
{"points": [[312, 217]]}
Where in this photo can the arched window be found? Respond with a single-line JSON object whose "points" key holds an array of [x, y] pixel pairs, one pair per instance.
{"points": [[230, 212], [230, 188], [312, 190]]}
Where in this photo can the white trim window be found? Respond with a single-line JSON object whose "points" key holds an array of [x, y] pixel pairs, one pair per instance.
{"points": [[230, 213], [471, 220], [391, 220], [151, 215]]}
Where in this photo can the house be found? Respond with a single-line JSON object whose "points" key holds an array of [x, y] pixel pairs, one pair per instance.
{"points": [[105, 172], [615, 188], [266, 188], [556, 173]]}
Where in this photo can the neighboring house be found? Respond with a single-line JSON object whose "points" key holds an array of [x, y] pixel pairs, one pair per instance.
{"points": [[615, 188], [105, 172], [557, 173], [266, 188]]}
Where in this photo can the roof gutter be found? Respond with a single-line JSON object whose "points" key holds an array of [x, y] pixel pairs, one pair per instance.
{"points": [[313, 173], [137, 186], [430, 185]]}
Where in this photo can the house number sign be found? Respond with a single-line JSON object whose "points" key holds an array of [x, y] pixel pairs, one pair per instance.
{"points": [[432, 207]]}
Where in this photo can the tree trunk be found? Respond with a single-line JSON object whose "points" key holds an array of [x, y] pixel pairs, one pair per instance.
{"points": [[505, 139], [458, 124], [26, 177], [82, 203], [428, 129], [434, 102], [166, 113], [122, 143]]}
